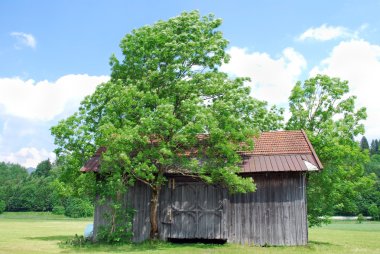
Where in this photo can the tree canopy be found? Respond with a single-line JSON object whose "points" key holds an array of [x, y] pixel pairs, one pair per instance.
{"points": [[43, 169], [322, 107], [168, 107]]}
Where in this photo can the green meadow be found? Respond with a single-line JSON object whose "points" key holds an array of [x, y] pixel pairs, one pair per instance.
{"points": [[44, 233]]}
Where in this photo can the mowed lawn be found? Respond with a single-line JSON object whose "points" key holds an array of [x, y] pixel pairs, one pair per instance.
{"points": [[42, 233]]}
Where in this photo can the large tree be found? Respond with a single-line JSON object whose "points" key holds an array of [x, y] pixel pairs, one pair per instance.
{"points": [[322, 107], [167, 107]]}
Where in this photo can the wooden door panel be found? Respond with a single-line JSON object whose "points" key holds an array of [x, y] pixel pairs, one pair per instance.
{"points": [[183, 197], [196, 211], [184, 225]]}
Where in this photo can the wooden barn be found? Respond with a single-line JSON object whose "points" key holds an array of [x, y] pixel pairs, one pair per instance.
{"points": [[275, 214]]}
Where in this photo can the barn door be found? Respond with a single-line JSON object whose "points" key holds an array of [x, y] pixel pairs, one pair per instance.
{"points": [[196, 211]]}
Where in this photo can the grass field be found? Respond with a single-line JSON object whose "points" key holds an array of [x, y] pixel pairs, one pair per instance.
{"points": [[42, 233]]}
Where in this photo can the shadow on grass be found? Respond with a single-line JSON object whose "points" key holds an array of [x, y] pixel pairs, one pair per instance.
{"points": [[148, 245], [137, 247], [318, 243], [50, 238], [315, 245]]}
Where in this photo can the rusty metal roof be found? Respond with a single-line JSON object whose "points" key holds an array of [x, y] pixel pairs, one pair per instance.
{"points": [[93, 164], [275, 151]]}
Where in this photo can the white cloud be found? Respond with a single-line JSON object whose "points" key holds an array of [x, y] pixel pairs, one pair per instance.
{"points": [[325, 33], [358, 61], [272, 78], [28, 156], [24, 39], [44, 100]]}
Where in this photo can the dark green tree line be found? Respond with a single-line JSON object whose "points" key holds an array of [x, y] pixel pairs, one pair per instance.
{"points": [[38, 191]]}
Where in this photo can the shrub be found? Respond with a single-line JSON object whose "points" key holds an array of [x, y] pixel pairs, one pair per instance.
{"points": [[374, 211], [2, 206], [118, 226], [77, 241], [360, 218], [59, 210], [77, 208]]}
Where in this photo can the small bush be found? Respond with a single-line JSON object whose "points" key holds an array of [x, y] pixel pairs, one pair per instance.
{"points": [[77, 208], [2, 206], [374, 211], [118, 226], [77, 241], [360, 218], [58, 210]]}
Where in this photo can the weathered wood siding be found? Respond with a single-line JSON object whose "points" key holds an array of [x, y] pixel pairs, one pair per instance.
{"points": [[275, 214], [137, 197], [193, 210]]}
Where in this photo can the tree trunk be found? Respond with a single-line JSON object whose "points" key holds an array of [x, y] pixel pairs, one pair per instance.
{"points": [[153, 213]]}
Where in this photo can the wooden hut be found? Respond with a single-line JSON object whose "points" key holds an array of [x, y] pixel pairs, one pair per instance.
{"points": [[274, 214]]}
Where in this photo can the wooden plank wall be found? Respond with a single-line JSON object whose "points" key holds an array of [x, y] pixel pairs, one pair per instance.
{"points": [[101, 208], [139, 198], [275, 214]]}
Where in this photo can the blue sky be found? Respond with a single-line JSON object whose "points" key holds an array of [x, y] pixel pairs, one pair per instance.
{"points": [[53, 53]]}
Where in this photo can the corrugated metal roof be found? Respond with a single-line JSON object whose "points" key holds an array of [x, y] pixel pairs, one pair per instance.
{"points": [[277, 163], [93, 164], [277, 151]]}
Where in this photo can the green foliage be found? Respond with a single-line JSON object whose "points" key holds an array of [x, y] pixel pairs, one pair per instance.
{"points": [[43, 169], [58, 210], [77, 208], [12, 177], [374, 149], [32, 194], [37, 194], [364, 143], [118, 229], [165, 92], [371, 200], [118, 226], [2, 206], [322, 107], [76, 241], [360, 218], [41, 191], [27, 193], [373, 166], [374, 211]]}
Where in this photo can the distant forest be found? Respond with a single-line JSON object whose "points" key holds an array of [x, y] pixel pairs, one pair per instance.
{"points": [[39, 191], [373, 148]]}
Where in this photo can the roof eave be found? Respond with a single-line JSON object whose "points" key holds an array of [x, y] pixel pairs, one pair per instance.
{"points": [[312, 150]]}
